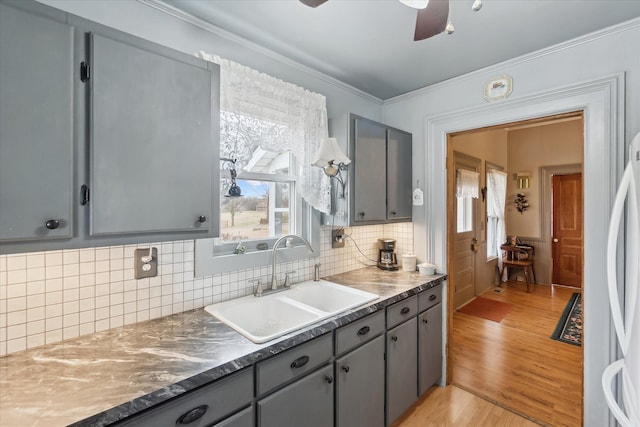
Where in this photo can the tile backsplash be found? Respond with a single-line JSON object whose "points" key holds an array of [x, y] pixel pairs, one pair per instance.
{"points": [[47, 297]]}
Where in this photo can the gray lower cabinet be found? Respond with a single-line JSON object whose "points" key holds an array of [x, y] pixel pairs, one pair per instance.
{"points": [[360, 386], [429, 347], [308, 402], [36, 126], [402, 368], [243, 418], [214, 403]]}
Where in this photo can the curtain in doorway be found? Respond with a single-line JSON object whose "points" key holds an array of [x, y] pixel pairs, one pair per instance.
{"points": [[496, 200]]}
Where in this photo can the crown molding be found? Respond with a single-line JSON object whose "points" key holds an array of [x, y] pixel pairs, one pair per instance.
{"points": [[162, 6], [502, 66]]}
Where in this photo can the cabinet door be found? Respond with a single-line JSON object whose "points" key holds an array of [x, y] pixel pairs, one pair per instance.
{"points": [[429, 347], [399, 185], [370, 180], [306, 402], [151, 140], [402, 369], [243, 418], [36, 127], [360, 386]]}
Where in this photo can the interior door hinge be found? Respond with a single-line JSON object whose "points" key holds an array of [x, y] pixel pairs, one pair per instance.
{"points": [[85, 72]]}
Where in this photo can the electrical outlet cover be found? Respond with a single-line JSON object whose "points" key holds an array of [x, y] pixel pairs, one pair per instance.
{"points": [[139, 272], [337, 242]]}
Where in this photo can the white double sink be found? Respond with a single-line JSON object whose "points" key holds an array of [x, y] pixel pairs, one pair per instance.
{"points": [[262, 319]]}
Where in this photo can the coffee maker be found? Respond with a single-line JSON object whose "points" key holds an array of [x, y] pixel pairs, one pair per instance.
{"points": [[387, 259]]}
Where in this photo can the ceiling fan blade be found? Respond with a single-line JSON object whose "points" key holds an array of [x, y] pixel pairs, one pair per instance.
{"points": [[312, 3], [432, 19]]}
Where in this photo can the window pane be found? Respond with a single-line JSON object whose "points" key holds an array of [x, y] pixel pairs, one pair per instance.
{"points": [[492, 227], [262, 212], [465, 214]]}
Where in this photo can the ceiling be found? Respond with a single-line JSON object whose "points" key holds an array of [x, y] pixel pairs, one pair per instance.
{"points": [[369, 45]]}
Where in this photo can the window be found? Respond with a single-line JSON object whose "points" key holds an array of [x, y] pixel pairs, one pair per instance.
{"points": [[269, 132], [496, 194], [465, 214]]}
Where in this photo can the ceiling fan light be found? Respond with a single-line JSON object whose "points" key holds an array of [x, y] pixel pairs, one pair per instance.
{"points": [[477, 5], [416, 4], [449, 28]]}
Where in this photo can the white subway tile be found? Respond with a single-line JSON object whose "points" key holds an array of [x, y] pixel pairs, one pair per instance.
{"points": [[53, 258], [16, 345], [35, 340]]}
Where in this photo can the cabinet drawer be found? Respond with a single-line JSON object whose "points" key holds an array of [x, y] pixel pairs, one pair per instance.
{"points": [[306, 402], [401, 311], [359, 332], [429, 298], [212, 402], [292, 363]]}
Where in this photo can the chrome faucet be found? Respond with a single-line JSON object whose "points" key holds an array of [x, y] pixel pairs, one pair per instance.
{"points": [[274, 281]]}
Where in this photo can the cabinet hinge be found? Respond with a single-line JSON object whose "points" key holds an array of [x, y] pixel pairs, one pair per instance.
{"points": [[85, 72], [84, 195]]}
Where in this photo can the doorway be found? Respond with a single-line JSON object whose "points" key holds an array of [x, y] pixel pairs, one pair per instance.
{"points": [[528, 225]]}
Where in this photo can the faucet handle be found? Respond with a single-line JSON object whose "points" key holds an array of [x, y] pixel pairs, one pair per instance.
{"points": [[258, 291], [286, 277]]}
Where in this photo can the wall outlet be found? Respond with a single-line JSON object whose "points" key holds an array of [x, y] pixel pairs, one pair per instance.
{"points": [[140, 271], [337, 241]]}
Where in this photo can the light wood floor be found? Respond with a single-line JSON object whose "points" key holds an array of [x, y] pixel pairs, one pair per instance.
{"points": [[452, 406], [514, 363]]}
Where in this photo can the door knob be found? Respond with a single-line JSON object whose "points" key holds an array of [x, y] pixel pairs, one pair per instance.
{"points": [[555, 240]]}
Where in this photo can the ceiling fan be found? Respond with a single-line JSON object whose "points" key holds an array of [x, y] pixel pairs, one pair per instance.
{"points": [[432, 19]]}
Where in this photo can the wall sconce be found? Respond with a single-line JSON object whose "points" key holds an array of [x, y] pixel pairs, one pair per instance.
{"points": [[234, 190], [523, 179], [332, 160]]}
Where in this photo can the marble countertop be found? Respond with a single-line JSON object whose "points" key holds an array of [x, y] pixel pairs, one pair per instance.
{"points": [[100, 378]]}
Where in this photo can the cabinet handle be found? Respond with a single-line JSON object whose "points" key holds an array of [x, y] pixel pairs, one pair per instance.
{"points": [[425, 321], [394, 339], [364, 330], [393, 213], [361, 214], [328, 379], [84, 195], [345, 368], [192, 415], [405, 310], [432, 297], [52, 224], [202, 218], [300, 362]]}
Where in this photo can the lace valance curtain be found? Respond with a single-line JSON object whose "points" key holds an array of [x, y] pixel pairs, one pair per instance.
{"points": [[467, 183], [258, 110]]}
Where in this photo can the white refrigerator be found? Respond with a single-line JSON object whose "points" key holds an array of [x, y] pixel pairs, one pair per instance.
{"points": [[621, 379]]}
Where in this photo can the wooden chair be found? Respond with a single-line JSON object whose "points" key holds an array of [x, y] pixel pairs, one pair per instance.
{"points": [[518, 256]]}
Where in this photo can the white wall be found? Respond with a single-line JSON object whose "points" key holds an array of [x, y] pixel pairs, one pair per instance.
{"points": [[600, 56]]}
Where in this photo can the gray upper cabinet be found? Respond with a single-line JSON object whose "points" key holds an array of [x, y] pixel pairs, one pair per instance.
{"points": [[369, 170], [379, 178], [151, 151], [399, 185], [105, 138], [36, 126]]}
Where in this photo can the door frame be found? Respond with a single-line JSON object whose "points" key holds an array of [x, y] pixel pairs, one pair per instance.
{"points": [[602, 102]]}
